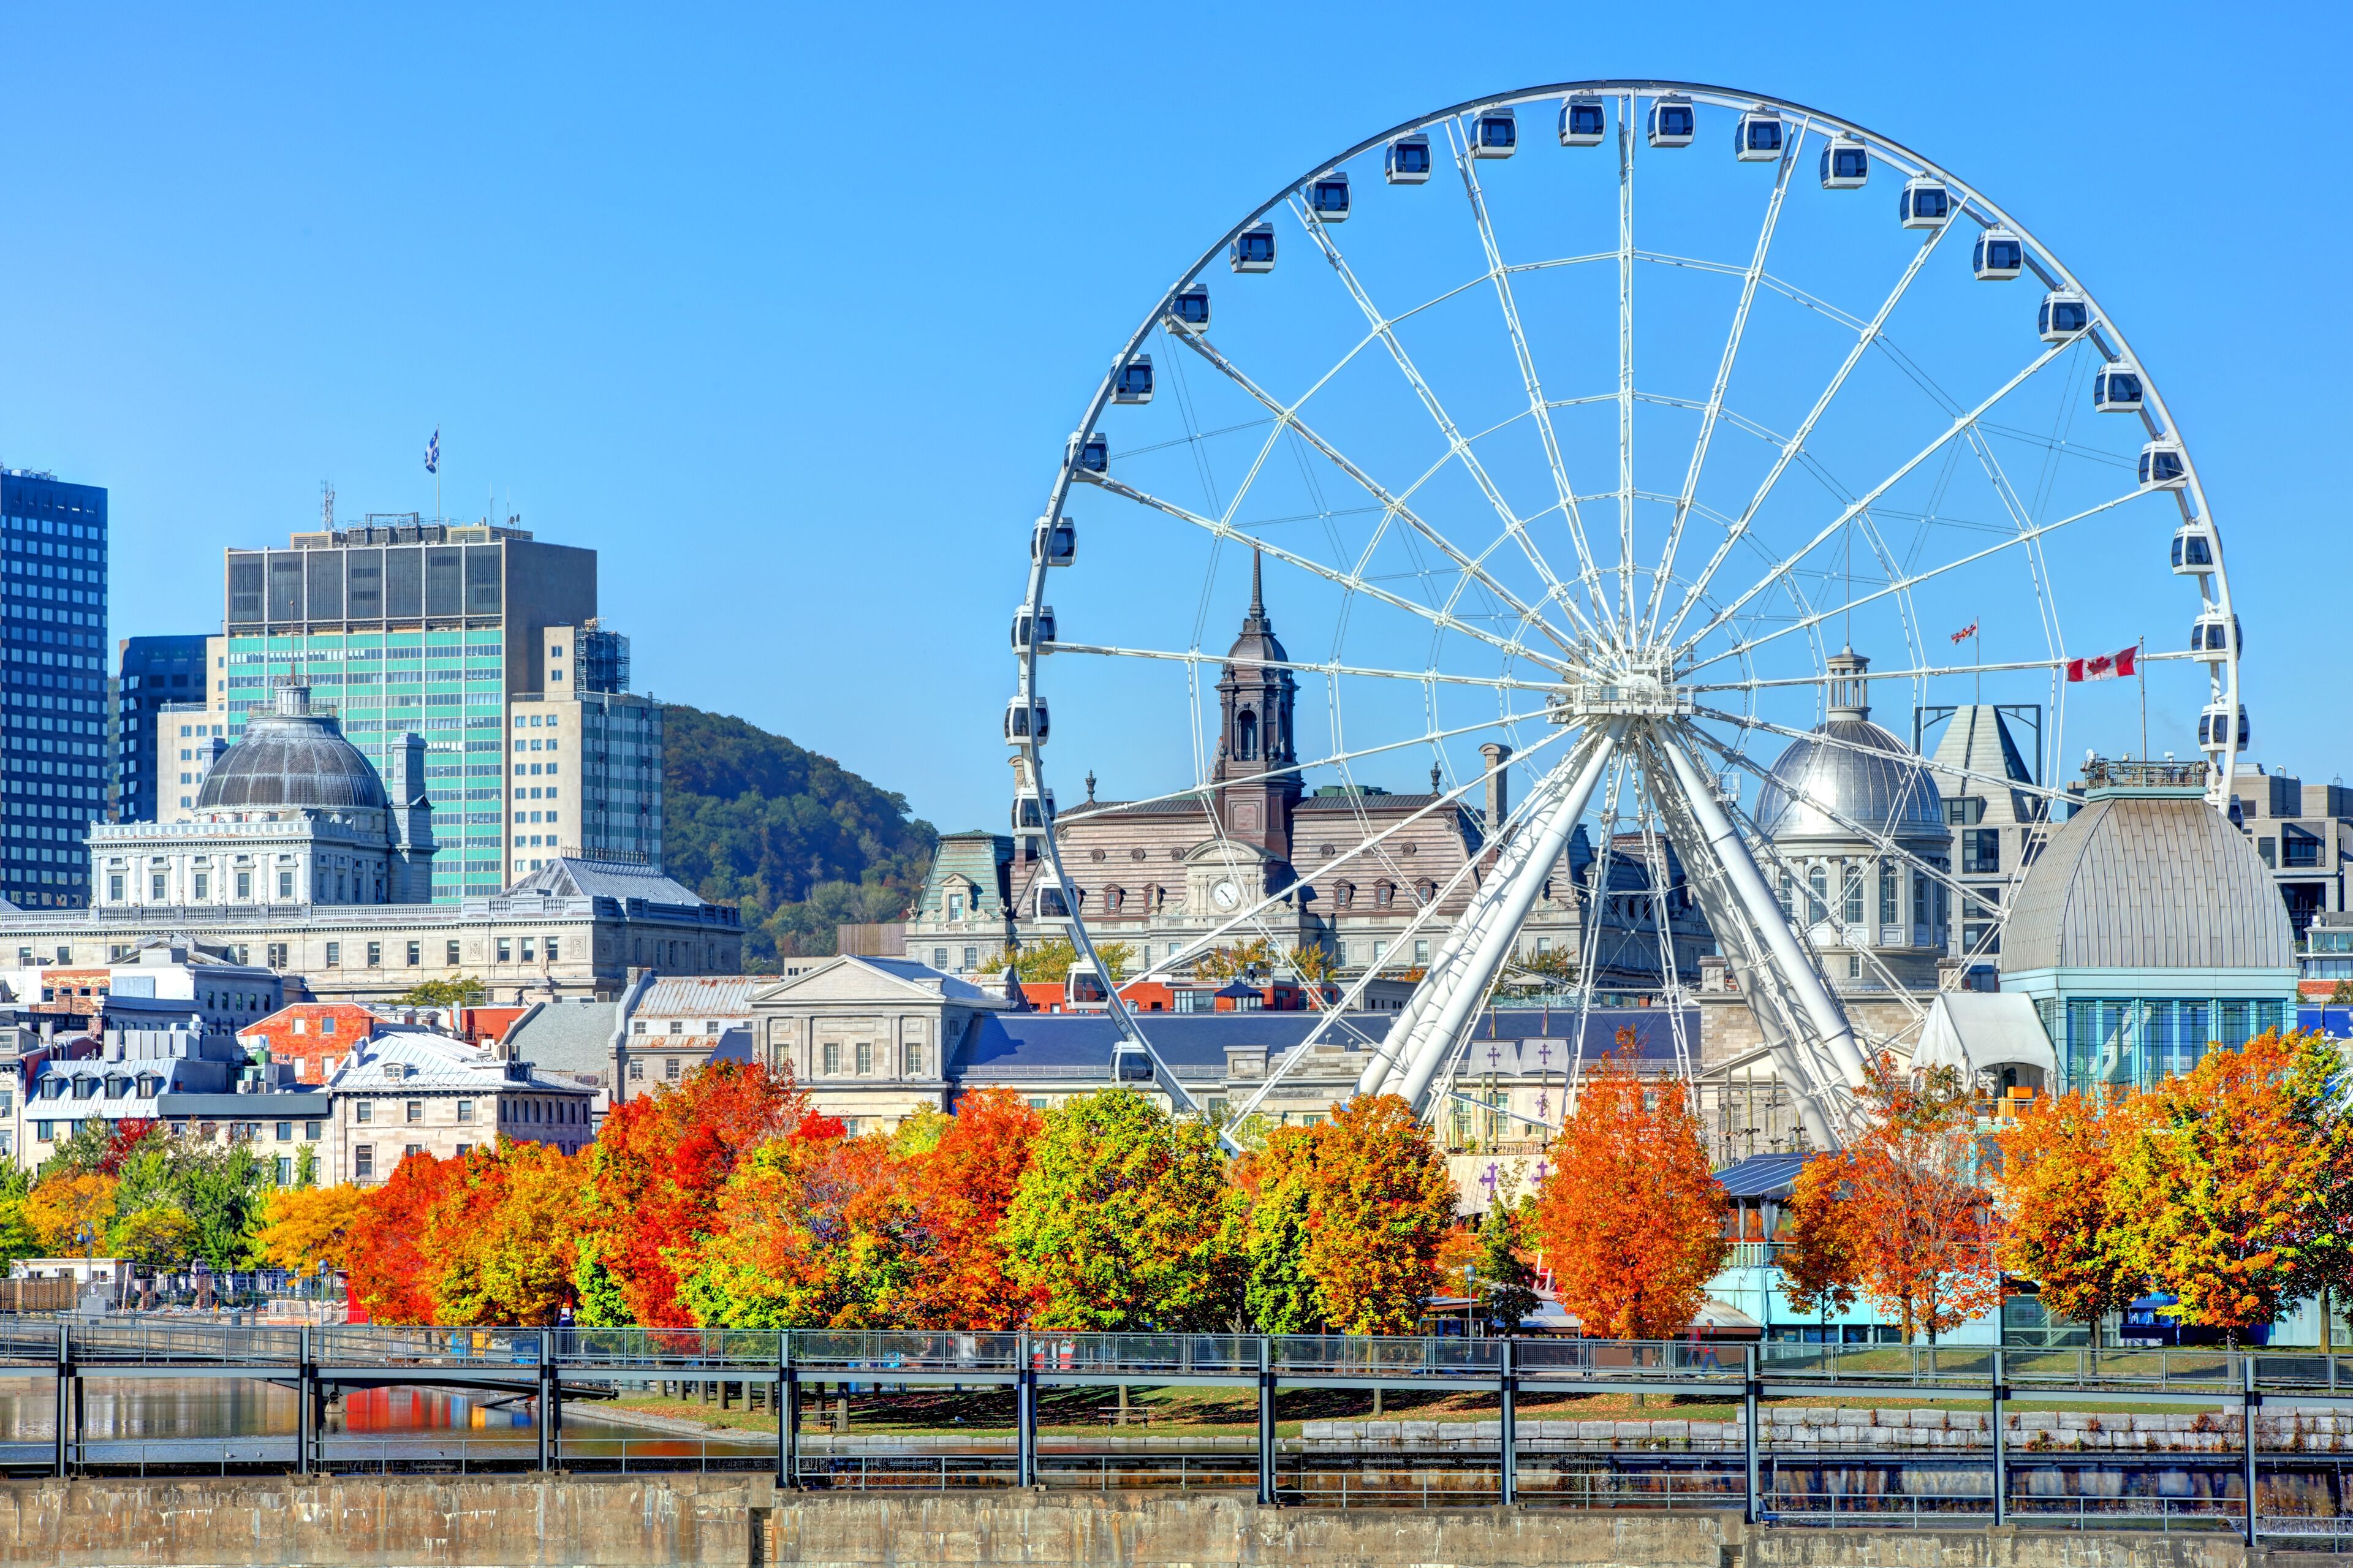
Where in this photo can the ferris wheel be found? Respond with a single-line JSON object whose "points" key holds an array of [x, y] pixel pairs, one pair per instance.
{"points": [[1614, 433]]}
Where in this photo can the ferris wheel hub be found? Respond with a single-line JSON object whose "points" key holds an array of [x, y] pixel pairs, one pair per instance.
{"points": [[1646, 689]]}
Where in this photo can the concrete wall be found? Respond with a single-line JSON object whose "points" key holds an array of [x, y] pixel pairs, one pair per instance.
{"points": [[624, 1523]]}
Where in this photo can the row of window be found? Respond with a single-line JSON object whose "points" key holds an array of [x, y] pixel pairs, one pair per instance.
{"points": [[513, 1110], [1930, 905], [862, 1056]]}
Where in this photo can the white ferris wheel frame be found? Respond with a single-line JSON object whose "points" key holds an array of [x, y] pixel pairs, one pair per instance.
{"points": [[1808, 1034]]}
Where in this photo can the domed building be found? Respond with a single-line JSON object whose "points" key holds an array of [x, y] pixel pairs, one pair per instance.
{"points": [[2149, 930], [291, 814], [1833, 805]]}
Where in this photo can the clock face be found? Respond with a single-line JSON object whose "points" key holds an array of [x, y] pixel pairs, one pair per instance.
{"points": [[1225, 896]]}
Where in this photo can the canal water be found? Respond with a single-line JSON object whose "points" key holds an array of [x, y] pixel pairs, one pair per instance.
{"points": [[184, 1420]]}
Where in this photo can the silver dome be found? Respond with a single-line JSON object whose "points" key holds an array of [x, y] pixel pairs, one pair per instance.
{"points": [[292, 758], [1873, 780]]}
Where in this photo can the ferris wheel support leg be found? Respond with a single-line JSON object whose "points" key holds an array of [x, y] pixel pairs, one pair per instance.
{"points": [[1496, 914], [1764, 910]]}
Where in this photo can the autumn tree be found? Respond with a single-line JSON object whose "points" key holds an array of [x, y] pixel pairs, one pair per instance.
{"points": [[659, 1164], [1921, 1226], [153, 1236], [2058, 1183], [1379, 1202], [502, 1240], [2231, 1186], [808, 1235], [1120, 1221], [961, 1185], [1629, 1216], [1817, 1258], [1049, 961], [458, 991], [306, 1229], [1247, 960], [389, 1274], [1271, 1185], [71, 1212]]}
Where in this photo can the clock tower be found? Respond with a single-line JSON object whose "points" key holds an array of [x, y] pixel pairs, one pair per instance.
{"points": [[1256, 779]]}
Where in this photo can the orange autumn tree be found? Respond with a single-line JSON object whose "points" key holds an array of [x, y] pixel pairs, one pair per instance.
{"points": [[2059, 1199], [390, 1275], [1818, 1262], [502, 1240], [809, 1234], [960, 1188], [1921, 1226], [1630, 1217], [2230, 1188], [656, 1171]]}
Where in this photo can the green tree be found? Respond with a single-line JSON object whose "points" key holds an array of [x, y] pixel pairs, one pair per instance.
{"points": [[1049, 961], [1278, 1294], [458, 991], [222, 1192], [1506, 1284], [1122, 1220], [155, 1236], [601, 1304], [17, 1238]]}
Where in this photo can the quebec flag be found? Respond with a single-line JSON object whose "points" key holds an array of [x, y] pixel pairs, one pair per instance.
{"points": [[433, 454]]}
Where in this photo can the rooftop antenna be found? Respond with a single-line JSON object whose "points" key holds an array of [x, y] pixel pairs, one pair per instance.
{"points": [[327, 505]]}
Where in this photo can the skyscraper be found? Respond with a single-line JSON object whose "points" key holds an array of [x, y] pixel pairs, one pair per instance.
{"points": [[154, 671], [433, 629], [52, 685]]}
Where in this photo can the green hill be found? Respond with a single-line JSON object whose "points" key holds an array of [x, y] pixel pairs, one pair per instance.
{"points": [[795, 840]]}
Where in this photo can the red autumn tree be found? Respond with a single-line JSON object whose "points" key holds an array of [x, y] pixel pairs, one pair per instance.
{"points": [[1922, 1228], [659, 1164], [810, 1233], [2059, 1199], [390, 1271], [960, 1188], [1630, 1216], [1380, 1203]]}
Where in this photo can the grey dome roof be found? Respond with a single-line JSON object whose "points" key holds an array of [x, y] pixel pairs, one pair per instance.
{"points": [[2142, 882], [292, 758], [1872, 780]]}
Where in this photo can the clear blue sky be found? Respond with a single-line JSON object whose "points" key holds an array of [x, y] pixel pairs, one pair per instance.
{"points": [[786, 311]]}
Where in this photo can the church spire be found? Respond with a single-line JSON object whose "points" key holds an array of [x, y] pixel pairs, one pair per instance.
{"points": [[1255, 620]]}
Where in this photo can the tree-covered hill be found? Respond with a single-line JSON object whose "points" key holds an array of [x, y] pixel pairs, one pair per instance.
{"points": [[795, 840]]}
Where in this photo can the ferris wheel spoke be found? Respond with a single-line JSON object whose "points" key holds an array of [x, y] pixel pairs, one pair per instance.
{"points": [[1799, 791], [1474, 567], [1839, 743], [2009, 542], [1324, 668], [1444, 800], [1831, 530], [1538, 408], [1714, 407], [1353, 581], [1457, 447], [1918, 672], [1625, 360], [1798, 439]]}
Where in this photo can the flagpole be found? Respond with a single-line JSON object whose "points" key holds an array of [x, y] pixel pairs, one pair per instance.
{"points": [[2141, 668], [1977, 657]]}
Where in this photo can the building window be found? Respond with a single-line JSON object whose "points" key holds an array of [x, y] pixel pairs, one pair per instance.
{"points": [[1981, 849], [363, 1111], [1788, 899], [865, 1058], [671, 1068], [972, 958], [527, 950], [286, 1133], [1920, 899], [412, 1151], [334, 955], [832, 1057], [285, 1171], [376, 955], [311, 1130], [506, 950], [465, 1110], [364, 1161], [939, 958], [915, 1061], [244, 887], [1850, 887], [637, 1071], [415, 954], [1818, 888], [285, 884], [1890, 898], [415, 1110], [156, 892], [114, 887]]}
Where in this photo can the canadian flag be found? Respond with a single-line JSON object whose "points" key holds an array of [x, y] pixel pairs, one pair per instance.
{"points": [[2107, 667]]}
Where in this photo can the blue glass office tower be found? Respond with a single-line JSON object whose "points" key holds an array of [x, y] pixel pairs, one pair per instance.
{"points": [[154, 671], [52, 686]]}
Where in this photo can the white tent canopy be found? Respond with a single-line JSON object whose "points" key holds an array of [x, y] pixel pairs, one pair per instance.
{"points": [[1984, 1031]]}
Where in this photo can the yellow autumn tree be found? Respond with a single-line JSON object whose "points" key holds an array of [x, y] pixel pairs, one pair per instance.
{"points": [[303, 1228]]}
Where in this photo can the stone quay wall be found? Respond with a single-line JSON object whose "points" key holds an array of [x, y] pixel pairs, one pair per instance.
{"points": [[570, 1521], [2278, 1429]]}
